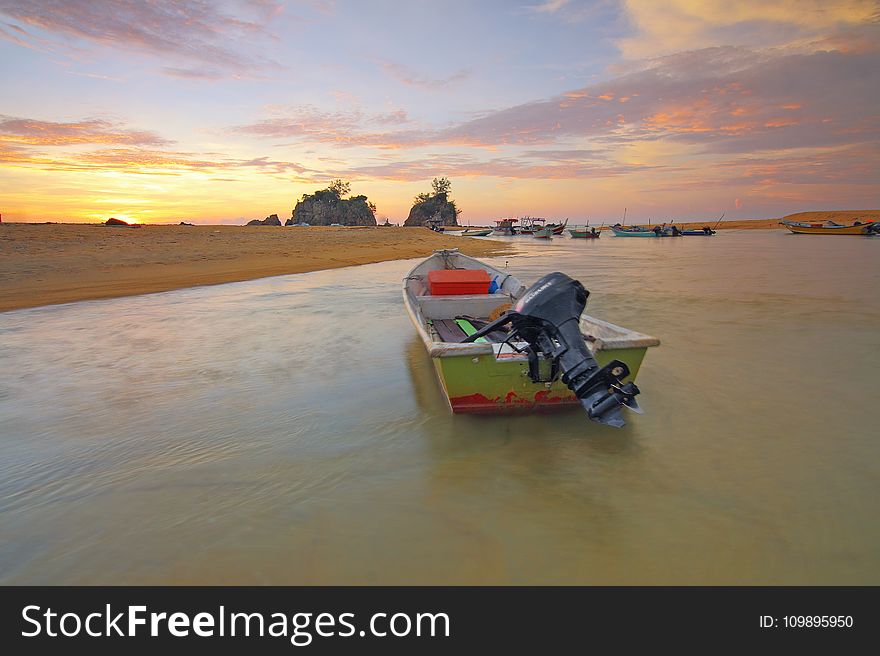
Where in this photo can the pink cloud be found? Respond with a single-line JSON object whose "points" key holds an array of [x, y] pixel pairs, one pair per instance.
{"points": [[719, 99], [178, 30], [90, 131], [407, 76], [28, 142], [523, 167]]}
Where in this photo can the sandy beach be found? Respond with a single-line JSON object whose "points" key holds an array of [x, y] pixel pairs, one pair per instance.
{"points": [[44, 264]]}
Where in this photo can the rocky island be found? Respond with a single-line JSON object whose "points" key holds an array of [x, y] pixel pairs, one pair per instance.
{"points": [[435, 207], [328, 206], [271, 220]]}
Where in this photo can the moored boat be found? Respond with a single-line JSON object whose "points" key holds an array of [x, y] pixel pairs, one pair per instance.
{"points": [[832, 228], [480, 232], [541, 353], [528, 225], [701, 232], [638, 231], [586, 233], [504, 227], [558, 228], [543, 233]]}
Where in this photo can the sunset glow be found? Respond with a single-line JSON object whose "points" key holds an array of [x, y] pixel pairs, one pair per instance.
{"points": [[223, 112]]}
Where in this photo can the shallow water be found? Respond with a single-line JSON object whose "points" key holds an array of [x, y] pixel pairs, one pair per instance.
{"points": [[290, 430]]}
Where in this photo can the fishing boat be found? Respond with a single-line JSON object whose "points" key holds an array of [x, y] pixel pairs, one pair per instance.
{"points": [[558, 228], [638, 231], [480, 232], [586, 233], [498, 346], [504, 227], [528, 225], [705, 231], [832, 228], [543, 233]]}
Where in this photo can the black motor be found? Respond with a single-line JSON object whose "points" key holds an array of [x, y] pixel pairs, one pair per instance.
{"points": [[547, 317]]}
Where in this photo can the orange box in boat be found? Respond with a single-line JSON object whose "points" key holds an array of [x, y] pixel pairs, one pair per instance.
{"points": [[454, 282]]}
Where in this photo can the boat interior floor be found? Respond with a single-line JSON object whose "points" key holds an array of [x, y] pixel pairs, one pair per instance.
{"points": [[455, 330]]}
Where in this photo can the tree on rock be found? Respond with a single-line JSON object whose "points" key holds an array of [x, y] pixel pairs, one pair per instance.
{"points": [[434, 207], [340, 188], [441, 186]]}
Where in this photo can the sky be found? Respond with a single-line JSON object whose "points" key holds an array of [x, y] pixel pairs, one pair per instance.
{"points": [[221, 112]]}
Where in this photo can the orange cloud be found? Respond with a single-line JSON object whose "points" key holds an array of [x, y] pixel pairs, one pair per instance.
{"points": [[677, 25], [23, 143], [94, 131]]}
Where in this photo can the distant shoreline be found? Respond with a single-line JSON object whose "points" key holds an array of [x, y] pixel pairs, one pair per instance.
{"points": [[61, 263], [51, 263], [725, 224]]}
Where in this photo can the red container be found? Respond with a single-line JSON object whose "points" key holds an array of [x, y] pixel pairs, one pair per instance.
{"points": [[452, 282]]}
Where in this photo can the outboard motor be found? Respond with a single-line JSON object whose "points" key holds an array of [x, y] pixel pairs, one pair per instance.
{"points": [[547, 317]]}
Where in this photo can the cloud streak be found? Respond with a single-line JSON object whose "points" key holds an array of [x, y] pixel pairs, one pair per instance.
{"points": [[549, 6], [679, 25], [90, 131], [411, 78], [194, 31], [721, 99], [523, 167], [98, 144], [344, 128]]}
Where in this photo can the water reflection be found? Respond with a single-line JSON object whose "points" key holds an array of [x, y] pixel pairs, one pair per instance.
{"points": [[291, 430]]}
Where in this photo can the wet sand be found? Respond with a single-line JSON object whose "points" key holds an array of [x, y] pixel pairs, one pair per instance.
{"points": [[45, 264]]}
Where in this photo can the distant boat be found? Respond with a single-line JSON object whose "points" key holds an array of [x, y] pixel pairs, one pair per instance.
{"points": [[504, 227], [705, 231], [558, 228], [637, 231], [480, 232], [586, 233], [832, 228], [529, 225], [541, 354]]}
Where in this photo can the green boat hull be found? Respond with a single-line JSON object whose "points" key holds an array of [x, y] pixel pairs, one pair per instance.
{"points": [[486, 385]]}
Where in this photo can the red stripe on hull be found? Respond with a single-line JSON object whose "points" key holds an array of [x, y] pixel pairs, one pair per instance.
{"points": [[512, 403]]}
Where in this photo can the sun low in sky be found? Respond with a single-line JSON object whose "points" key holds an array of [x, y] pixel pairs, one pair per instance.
{"points": [[219, 112]]}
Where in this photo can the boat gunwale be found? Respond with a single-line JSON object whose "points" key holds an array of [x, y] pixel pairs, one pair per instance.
{"points": [[620, 338]]}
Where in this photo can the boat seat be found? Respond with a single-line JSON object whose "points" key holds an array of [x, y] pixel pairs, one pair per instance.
{"points": [[475, 305], [449, 330]]}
